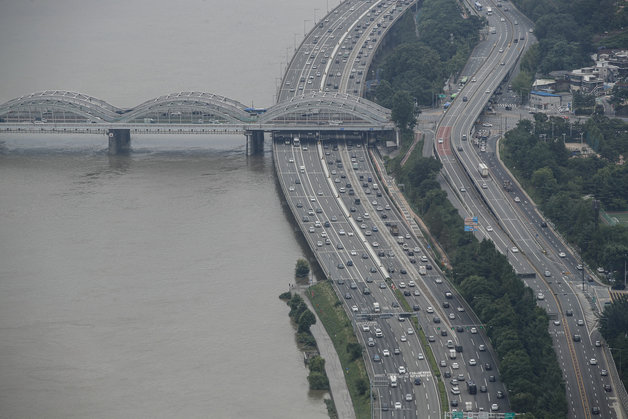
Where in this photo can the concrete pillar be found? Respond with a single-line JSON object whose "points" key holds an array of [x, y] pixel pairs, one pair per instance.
{"points": [[119, 141], [254, 142]]}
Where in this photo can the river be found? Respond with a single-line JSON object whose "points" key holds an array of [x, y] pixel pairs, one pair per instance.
{"points": [[146, 285]]}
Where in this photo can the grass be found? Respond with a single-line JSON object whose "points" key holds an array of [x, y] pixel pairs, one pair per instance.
{"points": [[330, 312]]}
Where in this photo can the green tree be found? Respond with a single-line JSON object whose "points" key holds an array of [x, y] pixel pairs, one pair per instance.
{"points": [[318, 381], [317, 364], [302, 269], [403, 110], [362, 386], [306, 319], [354, 350]]}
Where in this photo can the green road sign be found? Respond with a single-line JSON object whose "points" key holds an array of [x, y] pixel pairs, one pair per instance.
{"points": [[457, 415], [509, 415]]}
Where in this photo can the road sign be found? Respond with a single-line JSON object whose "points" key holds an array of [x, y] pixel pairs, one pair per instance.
{"points": [[457, 415], [509, 415], [469, 228]]}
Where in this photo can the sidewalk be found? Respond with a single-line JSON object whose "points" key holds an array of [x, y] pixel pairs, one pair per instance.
{"points": [[333, 368]]}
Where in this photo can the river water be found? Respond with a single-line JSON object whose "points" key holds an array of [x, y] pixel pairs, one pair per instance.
{"points": [[146, 285]]}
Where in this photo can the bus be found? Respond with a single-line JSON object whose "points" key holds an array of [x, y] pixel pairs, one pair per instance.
{"points": [[464, 80]]}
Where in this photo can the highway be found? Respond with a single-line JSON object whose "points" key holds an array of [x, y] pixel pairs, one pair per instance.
{"points": [[536, 253], [355, 247]]}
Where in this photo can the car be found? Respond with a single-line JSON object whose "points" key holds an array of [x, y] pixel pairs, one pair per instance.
{"points": [[540, 296], [431, 338], [354, 308], [472, 362], [443, 332], [577, 338], [447, 374], [487, 92], [514, 249], [386, 352], [562, 255], [600, 270], [379, 333], [501, 50], [436, 319], [517, 199], [580, 322], [397, 405], [401, 284], [488, 366], [454, 402], [556, 322], [592, 361], [401, 369], [474, 330], [376, 358], [440, 141], [410, 331], [604, 373], [483, 389], [407, 293], [408, 397], [416, 293], [494, 407], [460, 309], [463, 189], [420, 356], [375, 244], [438, 280], [481, 348], [455, 366], [607, 388], [500, 394], [547, 274], [366, 328], [403, 338], [445, 304], [443, 363], [455, 390], [487, 124], [489, 228], [452, 316], [347, 296], [430, 309], [579, 267], [569, 313], [370, 342], [492, 379], [339, 246], [598, 343], [417, 381], [382, 285], [595, 410]]}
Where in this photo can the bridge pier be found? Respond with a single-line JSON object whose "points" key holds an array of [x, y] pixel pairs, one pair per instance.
{"points": [[119, 141], [254, 142]]}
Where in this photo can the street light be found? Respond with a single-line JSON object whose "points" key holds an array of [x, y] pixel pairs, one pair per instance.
{"points": [[304, 21]]}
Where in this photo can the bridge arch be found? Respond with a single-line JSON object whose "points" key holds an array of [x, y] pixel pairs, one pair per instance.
{"points": [[58, 105], [326, 108]]}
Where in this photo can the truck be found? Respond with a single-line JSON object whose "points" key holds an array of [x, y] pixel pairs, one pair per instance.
{"points": [[376, 307], [468, 406], [393, 380], [394, 230], [493, 29], [422, 270], [483, 169], [489, 11], [452, 354]]}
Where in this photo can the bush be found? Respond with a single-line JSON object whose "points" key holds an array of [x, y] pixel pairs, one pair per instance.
{"points": [[302, 269], [318, 381]]}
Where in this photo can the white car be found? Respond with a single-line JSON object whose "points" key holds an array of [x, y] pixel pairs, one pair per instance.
{"points": [[489, 228], [354, 308], [397, 405], [402, 369], [375, 244], [386, 352], [481, 348], [430, 309], [474, 330], [540, 296], [514, 249], [420, 356], [460, 309], [410, 331], [455, 366], [366, 328], [409, 397], [494, 407], [403, 338], [562, 254], [438, 281], [452, 316], [472, 361], [455, 390], [517, 199]]}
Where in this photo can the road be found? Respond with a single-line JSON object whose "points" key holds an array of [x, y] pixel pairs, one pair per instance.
{"points": [[516, 227]]}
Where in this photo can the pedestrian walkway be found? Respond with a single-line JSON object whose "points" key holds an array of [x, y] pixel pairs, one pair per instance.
{"points": [[337, 383]]}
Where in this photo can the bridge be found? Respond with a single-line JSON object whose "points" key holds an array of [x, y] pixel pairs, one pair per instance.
{"points": [[318, 115]]}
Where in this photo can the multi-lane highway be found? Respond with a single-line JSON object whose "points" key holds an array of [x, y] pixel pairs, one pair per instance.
{"points": [[513, 223], [365, 248]]}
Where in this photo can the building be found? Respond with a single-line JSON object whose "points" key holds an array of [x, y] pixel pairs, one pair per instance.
{"points": [[544, 101]]}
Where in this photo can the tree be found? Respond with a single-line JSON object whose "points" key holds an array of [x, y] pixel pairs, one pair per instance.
{"points": [[317, 364], [302, 269], [403, 110], [306, 319], [318, 381], [355, 350]]}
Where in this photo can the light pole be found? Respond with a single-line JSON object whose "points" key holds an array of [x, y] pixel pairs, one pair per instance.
{"points": [[315, 10], [304, 21]]}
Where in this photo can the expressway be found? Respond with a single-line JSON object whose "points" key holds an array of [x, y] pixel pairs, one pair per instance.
{"points": [[334, 57], [517, 229], [355, 247]]}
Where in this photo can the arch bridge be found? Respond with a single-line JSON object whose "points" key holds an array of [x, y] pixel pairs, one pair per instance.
{"points": [[318, 114]]}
